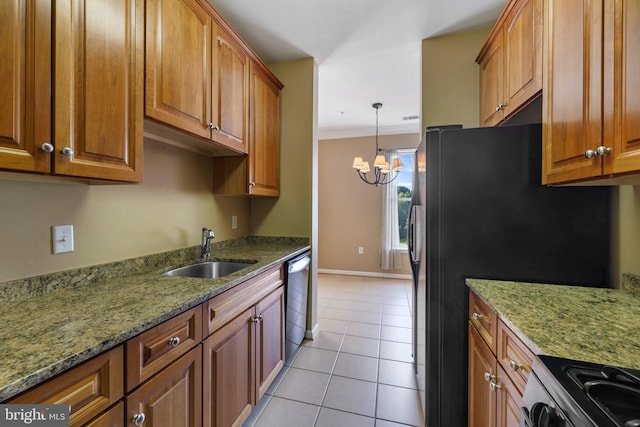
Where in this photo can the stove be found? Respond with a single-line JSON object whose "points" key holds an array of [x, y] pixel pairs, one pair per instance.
{"points": [[562, 392]]}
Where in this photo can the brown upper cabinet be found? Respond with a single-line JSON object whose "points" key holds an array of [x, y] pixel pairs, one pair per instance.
{"points": [[197, 73], [511, 62], [591, 108], [257, 174], [74, 95]]}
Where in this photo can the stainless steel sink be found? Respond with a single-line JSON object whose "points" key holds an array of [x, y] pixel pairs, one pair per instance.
{"points": [[208, 270]]}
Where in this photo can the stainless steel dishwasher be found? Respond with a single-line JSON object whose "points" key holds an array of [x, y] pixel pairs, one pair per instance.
{"points": [[297, 284]]}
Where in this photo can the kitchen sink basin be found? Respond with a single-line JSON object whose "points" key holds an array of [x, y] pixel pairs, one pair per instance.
{"points": [[208, 270]]}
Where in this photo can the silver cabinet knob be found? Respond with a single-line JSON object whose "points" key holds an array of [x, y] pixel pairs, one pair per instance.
{"points": [[67, 151], [138, 419], [252, 184], [589, 154], [602, 150], [489, 377], [47, 146], [255, 320], [174, 341], [500, 107], [514, 366], [494, 386], [214, 127], [477, 316]]}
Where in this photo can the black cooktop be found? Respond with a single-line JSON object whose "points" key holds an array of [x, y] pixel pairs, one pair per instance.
{"points": [[607, 395]]}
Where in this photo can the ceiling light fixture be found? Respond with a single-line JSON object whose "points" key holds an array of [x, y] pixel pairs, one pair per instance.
{"points": [[382, 171]]}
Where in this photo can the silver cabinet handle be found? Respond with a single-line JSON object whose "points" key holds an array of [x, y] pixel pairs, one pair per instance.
{"points": [[214, 127], [47, 146], [257, 319], [514, 366], [67, 151], [589, 154], [489, 377], [477, 316], [494, 386], [174, 341], [500, 107], [138, 419]]}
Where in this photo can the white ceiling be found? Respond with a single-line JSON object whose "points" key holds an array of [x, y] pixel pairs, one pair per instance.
{"points": [[367, 51]]}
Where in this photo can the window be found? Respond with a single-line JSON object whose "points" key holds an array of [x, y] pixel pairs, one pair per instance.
{"points": [[405, 191]]}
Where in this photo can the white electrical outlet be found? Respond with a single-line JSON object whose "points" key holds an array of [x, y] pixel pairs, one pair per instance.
{"points": [[234, 222], [62, 237], [360, 250]]}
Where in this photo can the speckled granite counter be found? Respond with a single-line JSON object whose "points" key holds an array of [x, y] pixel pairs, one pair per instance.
{"points": [[51, 323], [597, 325]]}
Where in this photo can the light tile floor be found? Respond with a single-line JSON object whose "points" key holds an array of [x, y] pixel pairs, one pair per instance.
{"points": [[358, 371]]}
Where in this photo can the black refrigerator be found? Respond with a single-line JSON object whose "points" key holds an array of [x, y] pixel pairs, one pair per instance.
{"points": [[479, 210]]}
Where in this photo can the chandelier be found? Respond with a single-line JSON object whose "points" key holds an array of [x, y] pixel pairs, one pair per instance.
{"points": [[382, 171]]}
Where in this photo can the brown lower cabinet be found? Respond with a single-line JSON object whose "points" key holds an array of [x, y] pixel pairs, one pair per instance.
{"points": [[496, 378], [241, 360], [173, 377]]}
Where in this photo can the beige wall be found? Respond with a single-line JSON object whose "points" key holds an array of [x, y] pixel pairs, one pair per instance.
{"points": [[349, 211], [113, 222], [450, 79]]}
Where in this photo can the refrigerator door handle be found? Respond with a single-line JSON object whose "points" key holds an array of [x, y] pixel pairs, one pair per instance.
{"points": [[411, 238]]}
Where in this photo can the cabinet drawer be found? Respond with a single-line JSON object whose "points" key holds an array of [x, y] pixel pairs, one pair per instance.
{"points": [[514, 356], [88, 388], [223, 308], [484, 319], [156, 348]]}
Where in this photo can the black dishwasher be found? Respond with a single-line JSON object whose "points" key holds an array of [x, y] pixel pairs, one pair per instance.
{"points": [[297, 284]]}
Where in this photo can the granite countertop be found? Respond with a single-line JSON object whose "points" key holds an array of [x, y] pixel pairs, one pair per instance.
{"points": [[51, 323], [592, 324]]}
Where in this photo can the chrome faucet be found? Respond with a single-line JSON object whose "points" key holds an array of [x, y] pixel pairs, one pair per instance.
{"points": [[207, 236]]}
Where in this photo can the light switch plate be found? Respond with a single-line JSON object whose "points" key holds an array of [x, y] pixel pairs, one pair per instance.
{"points": [[234, 222], [62, 238]]}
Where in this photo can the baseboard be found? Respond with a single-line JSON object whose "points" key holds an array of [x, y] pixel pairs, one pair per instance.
{"points": [[313, 333], [365, 274]]}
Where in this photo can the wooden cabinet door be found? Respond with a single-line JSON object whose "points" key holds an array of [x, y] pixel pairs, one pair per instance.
{"points": [[509, 401], [171, 398], [572, 84], [25, 84], [622, 86], [522, 47], [230, 109], [228, 373], [264, 149], [99, 53], [482, 402], [178, 65], [270, 340], [491, 87]]}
